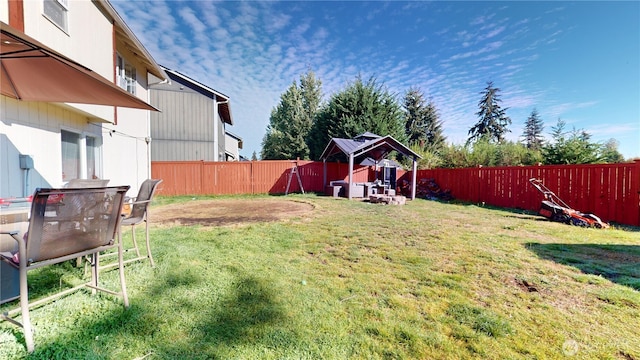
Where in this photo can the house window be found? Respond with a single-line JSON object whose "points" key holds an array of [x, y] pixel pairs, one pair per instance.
{"points": [[56, 11], [80, 156], [93, 158], [126, 75]]}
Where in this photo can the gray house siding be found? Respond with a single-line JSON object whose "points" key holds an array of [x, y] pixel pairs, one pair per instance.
{"points": [[191, 124], [184, 130]]}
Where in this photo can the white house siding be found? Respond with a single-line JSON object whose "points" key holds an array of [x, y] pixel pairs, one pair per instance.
{"points": [[33, 128], [88, 40], [127, 162], [231, 147], [128, 154], [4, 11]]}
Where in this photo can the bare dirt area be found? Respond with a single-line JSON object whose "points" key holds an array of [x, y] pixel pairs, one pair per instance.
{"points": [[228, 212]]}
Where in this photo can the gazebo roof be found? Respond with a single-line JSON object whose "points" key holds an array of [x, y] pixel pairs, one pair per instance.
{"points": [[372, 145]]}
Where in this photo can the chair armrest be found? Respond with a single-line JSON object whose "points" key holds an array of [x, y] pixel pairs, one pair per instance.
{"points": [[140, 202], [22, 248]]}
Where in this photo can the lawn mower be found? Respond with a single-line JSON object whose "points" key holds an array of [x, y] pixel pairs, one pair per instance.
{"points": [[553, 208]]}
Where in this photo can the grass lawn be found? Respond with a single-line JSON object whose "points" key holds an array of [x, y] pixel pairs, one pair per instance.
{"points": [[353, 280]]}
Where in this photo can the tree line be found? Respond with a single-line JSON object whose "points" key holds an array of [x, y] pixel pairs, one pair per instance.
{"points": [[301, 126]]}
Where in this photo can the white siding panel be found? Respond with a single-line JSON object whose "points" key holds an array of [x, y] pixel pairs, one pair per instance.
{"points": [[33, 128]]}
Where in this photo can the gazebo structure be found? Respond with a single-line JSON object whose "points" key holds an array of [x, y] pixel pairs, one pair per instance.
{"points": [[367, 145]]}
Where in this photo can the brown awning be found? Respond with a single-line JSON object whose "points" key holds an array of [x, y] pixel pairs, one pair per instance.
{"points": [[33, 72]]}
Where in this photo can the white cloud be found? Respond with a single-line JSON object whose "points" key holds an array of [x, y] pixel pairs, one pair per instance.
{"points": [[252, 51]]}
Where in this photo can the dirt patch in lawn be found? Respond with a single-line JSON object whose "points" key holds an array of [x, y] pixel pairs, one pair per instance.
{"points": [[228, 212]]}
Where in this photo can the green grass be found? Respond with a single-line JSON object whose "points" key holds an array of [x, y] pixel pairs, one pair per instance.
{"points": [[355, 280]]}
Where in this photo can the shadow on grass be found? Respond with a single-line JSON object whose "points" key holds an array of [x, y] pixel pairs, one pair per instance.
{"points": [[246, 315], [617, 263]]}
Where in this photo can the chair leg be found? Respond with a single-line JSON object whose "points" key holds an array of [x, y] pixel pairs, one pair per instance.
{"points": [[95, 265], [146, 223], [135, 243], [123, 284], [24, 305]]}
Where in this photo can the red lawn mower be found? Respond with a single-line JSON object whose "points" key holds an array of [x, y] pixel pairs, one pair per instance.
{"points": [[553, 208]]}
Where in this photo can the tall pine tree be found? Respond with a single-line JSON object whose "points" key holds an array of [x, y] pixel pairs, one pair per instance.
{"points": [[291, 121], [532, 133], [493, 121], [360, 107], [422, 125]]}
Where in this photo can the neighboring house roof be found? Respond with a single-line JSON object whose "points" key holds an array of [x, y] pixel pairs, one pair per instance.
{"points": [[130, 41], [223, 100], [235, 137]]}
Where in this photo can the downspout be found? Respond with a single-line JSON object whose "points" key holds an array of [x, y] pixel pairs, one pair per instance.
{"points": [[215, 128], [216, 117], [147, 139]]}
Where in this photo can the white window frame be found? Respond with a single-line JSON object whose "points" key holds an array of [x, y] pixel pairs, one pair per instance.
{"points": [[87, 166], [126, 75], [61, 7]]}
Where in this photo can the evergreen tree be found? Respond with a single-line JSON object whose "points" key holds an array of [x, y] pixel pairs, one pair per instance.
{"points": [[422, 125], [291, 121], [311, 89], [433, 129], [254, 156], [532, 133], [573, 147], [360, 107], [610, 153], [493, 121], [414, 105]]}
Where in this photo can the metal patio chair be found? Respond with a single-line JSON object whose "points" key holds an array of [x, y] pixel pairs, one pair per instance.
{"points": [[140, 214], [65, 224]]}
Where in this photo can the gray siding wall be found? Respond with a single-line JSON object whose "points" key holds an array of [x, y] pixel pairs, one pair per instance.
{"points": [[184, 130]]}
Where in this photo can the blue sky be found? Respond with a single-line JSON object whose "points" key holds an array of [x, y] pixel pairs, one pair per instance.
{"points": [[578, 61]]}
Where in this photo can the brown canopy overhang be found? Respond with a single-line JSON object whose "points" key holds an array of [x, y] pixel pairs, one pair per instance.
{"points": [[31, 71]]}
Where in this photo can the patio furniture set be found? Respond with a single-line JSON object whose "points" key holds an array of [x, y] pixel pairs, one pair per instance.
{"points": [[82, 220]]}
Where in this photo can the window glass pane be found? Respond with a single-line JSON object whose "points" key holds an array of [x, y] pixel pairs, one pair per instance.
{"points": [[126, 75], [70, 155], [92, 172], [56, 12], [130, 75]]}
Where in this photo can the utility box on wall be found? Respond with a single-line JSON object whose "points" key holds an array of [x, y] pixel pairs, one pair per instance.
{"points": [[26, 162]]}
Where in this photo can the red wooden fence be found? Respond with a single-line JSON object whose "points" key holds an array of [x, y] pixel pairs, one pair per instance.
{"points": [[248, 177], [610, 191]]}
